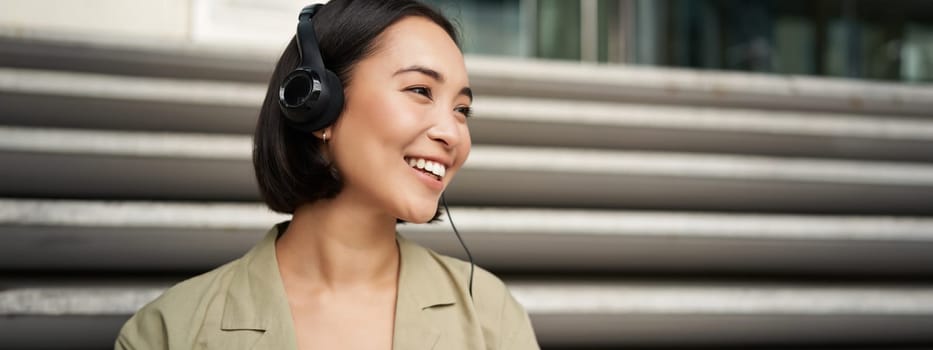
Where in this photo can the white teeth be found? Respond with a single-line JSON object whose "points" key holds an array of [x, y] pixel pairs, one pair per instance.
{"points": [[437, 169], [432, 167]]}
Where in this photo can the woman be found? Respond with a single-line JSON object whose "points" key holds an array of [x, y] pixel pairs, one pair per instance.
{"points": [[337, 276]]}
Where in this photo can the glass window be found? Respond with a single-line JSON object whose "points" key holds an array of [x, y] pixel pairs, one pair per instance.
{"points": [[490, 27], [558, 29], [917, 53], [846, 38]]}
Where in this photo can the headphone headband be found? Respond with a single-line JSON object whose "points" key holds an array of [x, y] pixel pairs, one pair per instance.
{"points": [[307, 39], [310, 97]]}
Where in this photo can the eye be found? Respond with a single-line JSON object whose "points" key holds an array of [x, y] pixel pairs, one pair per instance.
{"points": [[421, 90], [467, 111]]}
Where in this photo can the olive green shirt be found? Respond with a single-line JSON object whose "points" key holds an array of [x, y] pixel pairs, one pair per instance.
{"points": [[242, 305]]}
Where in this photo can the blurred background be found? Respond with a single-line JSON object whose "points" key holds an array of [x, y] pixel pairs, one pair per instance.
{"points": [[687, 174]]}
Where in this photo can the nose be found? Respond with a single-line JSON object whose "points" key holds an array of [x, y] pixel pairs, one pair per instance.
{"points": [[446, 129]]}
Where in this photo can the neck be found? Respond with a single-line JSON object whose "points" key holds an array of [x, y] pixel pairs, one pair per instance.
{"points": [[336, 244]]}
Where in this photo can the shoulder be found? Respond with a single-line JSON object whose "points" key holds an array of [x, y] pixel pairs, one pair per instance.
{"points": [[170, 316], [195, 307], [487, 286], [503, 319], [191, 292]]}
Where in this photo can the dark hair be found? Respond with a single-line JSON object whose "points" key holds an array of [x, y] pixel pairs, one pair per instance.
{"points": [[289, 166]]}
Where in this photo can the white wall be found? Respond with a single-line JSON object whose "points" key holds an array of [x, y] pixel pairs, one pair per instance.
{"points": [[161, 19], [225, 22]]}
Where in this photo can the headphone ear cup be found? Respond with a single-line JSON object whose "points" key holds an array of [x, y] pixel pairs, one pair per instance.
{"points": [[299, 94], [334, 96], [311, 101]]}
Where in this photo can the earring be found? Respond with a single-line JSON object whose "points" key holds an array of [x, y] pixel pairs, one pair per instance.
{"points": [[324, 136]]}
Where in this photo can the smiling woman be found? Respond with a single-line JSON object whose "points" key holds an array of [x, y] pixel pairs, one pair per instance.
{"points": [[368, 130]]}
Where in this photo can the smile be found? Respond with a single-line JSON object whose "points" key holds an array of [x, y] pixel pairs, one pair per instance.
{"points": [[435, 169]]}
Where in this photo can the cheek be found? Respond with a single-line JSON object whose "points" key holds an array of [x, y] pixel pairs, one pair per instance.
{"points": [[463, 152], [372, 116], [468, 139], [385, 114], [372, 135], [362, 148]]}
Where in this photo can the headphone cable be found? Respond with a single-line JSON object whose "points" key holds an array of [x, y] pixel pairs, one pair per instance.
{"points": [[467, 250]]}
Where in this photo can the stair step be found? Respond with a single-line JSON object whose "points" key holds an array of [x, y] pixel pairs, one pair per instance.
{"points": [[578, 313], [153, 236], [655, 314], [38, 98], [168, 166], [626, 83], [81, 100], [568, 123], [490, 75], [133, 57]]}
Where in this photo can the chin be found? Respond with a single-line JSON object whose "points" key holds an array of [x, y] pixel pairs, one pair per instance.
{"points": [[419, 215], [421, 218]]}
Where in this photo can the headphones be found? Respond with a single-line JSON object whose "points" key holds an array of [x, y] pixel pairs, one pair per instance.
{"points": [[311, 96]]}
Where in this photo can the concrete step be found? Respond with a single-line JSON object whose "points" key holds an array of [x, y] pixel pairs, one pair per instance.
{"points": [[492, 76], [92, 101], [170, 166], [133, 57], [564, 313], [605, 125], [656, 85], [80, 100], [726, 314], [159, 236]]}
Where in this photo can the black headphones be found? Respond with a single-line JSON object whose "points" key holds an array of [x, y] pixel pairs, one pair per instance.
{"points": [[311, 96]]}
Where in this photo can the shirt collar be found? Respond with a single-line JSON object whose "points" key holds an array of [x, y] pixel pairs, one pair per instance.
{"points": [[423, 286], [422, 277], [256, 298]]}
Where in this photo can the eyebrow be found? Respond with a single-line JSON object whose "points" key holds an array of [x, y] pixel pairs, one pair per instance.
{"points": [[465, 91]]}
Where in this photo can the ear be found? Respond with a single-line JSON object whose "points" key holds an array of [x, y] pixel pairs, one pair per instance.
{"points": [[320, 134]]}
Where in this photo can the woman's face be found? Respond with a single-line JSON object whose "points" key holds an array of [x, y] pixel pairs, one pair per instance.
{"points": [[403, 133]]}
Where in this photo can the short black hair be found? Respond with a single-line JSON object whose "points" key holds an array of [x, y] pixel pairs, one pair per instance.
{"points": [[290, 169]]}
